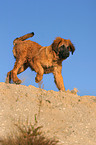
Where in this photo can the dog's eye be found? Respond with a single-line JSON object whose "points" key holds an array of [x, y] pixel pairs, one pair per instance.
{"points": [[62, 46]]}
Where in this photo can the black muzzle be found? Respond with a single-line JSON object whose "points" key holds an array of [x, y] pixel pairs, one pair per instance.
{"points": [[63, 52]]}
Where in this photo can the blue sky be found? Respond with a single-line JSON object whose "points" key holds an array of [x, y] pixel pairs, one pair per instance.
{"points": [[69, 19]]}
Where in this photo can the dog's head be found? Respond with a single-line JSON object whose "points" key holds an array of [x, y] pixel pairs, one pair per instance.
{"points": [[63, 47]]}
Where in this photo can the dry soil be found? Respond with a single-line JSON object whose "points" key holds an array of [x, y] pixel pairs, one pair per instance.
{"points": [[66, 116]]}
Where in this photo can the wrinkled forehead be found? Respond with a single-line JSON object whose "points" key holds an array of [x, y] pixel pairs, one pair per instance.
{"points": [[64, 42]]}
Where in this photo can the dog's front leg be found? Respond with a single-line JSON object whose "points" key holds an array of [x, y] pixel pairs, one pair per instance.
{"points": [[40, 71], [36, 66], [58, 79]]}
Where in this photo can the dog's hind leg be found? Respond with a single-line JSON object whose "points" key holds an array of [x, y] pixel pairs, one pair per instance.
{"points": [[23, 68], [8, 78], [16, 69]]}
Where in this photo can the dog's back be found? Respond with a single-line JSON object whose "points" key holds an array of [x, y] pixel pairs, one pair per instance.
{"points": [[27, 47]]}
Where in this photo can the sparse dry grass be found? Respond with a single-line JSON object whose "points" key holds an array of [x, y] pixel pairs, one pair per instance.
{"points": [[30, 135]]}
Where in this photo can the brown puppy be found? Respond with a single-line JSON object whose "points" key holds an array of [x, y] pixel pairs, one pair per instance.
{"points": [[40, 59]]}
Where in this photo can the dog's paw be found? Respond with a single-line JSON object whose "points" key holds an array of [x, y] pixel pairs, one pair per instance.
{"points": [[36, 80], [7, 80], [18, 82]]}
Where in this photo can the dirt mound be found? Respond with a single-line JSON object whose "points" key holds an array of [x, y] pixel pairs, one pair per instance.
{"points": [[69, 118]]}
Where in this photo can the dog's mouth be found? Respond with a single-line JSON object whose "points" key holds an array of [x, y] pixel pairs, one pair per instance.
{"points": [[63, 52], [63, 55]]}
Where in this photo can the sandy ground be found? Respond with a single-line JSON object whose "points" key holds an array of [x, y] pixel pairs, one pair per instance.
{"points": [[64, 115]]}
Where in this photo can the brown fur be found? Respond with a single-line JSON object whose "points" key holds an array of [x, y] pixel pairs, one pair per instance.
{"points": [[40, 59]]}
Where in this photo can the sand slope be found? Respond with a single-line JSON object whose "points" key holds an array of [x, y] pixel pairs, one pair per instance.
{"points": [[66, 116]]}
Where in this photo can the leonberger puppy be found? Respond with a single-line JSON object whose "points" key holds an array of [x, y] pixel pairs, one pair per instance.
{"points": [[41, 59]]}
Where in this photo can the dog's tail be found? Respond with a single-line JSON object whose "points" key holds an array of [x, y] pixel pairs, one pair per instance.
{"points": [[22, 38]]}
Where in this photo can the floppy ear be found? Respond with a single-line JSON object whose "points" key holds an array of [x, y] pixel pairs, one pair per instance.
{"points": [[72, 48], [56, 43]]}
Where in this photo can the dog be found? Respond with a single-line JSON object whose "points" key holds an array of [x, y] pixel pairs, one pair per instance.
{"points": [[41, 59]]}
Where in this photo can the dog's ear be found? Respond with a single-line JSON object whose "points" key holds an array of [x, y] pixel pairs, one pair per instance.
{"points": [[72, 48], [56, 43]]}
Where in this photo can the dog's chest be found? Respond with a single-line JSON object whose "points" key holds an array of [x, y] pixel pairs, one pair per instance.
{"points": [[47, 59], [47, 63], [48, 66]]}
